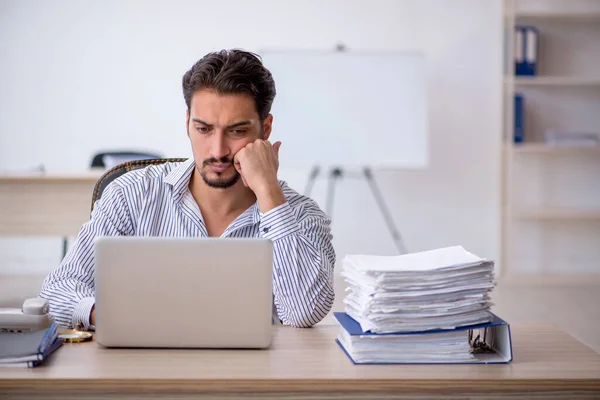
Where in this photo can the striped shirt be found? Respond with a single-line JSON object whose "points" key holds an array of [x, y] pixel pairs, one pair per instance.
{"points": [[156, 201]]}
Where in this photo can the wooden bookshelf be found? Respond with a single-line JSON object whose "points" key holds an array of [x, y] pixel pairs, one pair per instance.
{"points": [[551, 193]]}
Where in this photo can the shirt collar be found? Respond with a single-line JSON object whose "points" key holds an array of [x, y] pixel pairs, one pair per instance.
{"points": [[179, 177]]}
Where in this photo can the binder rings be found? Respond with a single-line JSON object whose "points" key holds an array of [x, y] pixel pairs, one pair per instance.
{"points": [[489, 343]]}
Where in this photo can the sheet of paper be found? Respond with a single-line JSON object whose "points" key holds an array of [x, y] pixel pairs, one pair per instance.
{"points": [[443, 258]]}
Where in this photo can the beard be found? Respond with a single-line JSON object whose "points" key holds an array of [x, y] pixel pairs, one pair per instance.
{"points": [[220, 182]]}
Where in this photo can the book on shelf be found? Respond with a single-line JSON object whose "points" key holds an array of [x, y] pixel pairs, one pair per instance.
{"points": [[571, 139], [526, 50], [519, 128]]}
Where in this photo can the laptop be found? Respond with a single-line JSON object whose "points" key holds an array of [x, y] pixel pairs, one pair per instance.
{"points": [[183, 292]]}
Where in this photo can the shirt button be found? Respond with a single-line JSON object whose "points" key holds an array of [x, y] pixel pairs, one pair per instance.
{"points": [[266, 229]]}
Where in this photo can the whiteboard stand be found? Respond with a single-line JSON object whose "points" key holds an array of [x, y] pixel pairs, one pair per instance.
{"points": [[337, 173]]}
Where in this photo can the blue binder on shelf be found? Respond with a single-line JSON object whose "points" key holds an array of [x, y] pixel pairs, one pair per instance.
{"points": [[519, 51], [526, 50], [519, 128], [495, 335]]}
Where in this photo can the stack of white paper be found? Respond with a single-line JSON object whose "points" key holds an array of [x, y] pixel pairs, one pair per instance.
{"points": [[438, 289], [450, 346]]}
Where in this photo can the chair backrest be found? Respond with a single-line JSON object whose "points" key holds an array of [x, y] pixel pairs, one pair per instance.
{"points": [[123, 168], [118, 157]]}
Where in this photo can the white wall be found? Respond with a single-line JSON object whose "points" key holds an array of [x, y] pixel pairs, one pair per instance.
{"points": [[98, 50]]}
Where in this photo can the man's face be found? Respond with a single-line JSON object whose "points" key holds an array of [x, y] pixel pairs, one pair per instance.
{"points": [[219, 126]]}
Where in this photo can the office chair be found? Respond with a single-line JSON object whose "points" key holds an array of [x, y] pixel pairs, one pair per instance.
{"points": [[123, 168], [113, 174], [99, 159]]}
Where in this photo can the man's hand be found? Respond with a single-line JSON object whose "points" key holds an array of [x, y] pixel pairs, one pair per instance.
{"points": [[258, 163], [93, 315]]}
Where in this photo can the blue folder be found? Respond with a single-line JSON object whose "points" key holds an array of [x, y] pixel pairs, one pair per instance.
{"points": [[28, 349], [497, 338], [519, 133], [531, 50], [526, 50], [520, 50]]}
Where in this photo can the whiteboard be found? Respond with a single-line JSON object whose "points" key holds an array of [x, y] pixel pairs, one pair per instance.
{"points": [[349, 109]]}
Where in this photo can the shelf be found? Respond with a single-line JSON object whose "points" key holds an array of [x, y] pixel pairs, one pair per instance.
{"points": [[550, 213], [566, 81], [557, 16], [541, 148], [545, 279]]}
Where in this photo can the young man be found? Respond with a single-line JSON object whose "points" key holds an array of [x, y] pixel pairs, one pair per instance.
{"points": [[229, 189]]}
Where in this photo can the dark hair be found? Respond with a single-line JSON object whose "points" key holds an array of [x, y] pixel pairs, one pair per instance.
{"points": [[232, 71]]}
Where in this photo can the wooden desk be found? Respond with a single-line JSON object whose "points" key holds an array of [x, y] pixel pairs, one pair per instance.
{"points": [[45, 205], [307, 363]]}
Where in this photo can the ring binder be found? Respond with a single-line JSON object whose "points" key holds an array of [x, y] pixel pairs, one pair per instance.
{"points": [[489, 343]]}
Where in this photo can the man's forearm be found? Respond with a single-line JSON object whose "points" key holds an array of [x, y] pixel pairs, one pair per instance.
{"points": [[70, 288], [303, 286], [303, 264], [68, 308], [270, 198]]}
